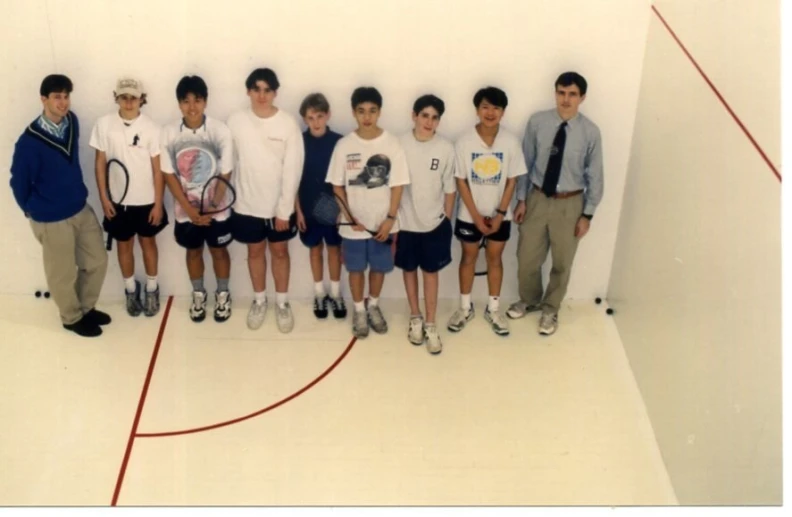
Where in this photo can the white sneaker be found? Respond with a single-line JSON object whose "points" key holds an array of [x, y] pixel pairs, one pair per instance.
{"points": [[519, 309], [284, 318], [360, 324], [198, 306], [548, 324], [415, 332], [222, 310], [499, 324], [377, 319], [433, 344], [460, 318], [256, 315]]}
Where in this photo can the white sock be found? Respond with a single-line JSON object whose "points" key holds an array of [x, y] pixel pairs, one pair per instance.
{"points": [[466, 303], [335, 289], [151, 283], [261, 298], [319, 289], [281, 299], [494, 303], [373, 301], [360, 306], [129, 284]]}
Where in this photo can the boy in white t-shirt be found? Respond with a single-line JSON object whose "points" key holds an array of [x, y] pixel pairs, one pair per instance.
{"points": [[268, 163], [489, 160], [132, 138], [196, 149], [368, 170], [425, 217]]}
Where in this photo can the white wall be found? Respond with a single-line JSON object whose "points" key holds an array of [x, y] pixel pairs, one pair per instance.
{"points": [[696, 280], [404, 48]]}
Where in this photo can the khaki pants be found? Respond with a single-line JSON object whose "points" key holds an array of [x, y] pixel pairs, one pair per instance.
{"points": [[549, 225], [75, 262]]}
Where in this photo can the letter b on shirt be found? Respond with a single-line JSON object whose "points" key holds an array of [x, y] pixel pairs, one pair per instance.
{"points": [[435, 164]]}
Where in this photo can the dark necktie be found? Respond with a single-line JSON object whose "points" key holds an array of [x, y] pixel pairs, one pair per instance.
{"points": [[553, 172]]}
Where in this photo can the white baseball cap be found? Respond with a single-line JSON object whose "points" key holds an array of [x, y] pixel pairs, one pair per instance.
{"points": [[129, 86]]}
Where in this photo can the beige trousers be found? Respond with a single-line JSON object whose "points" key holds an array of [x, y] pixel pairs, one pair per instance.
{"points": [[549, 225], [75, 262]]}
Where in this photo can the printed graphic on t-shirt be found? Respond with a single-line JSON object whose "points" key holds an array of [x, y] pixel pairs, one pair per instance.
{"points": [[487, 168], [195, 162], [375, 174]]}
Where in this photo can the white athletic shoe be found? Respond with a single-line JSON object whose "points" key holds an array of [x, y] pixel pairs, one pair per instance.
{"points": [[284, 318], [222, 309], [499, 324], [256, 315], [433, 344], [198, 306], [460, 318], [548, 324], [519, 309], [415, 332]]}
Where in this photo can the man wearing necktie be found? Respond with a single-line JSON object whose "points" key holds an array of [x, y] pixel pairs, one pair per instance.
{"points": [[556, 199]]}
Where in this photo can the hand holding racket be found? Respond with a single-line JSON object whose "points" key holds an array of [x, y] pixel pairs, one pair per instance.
{"points": [[217, 196], [327, 210]]}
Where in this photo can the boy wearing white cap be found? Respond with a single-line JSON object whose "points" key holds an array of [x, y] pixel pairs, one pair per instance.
{"points": [[132, 138]]}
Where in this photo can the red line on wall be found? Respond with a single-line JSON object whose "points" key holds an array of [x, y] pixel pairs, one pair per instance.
{"points": [[259, 412], [717, 94], [141, 403]]}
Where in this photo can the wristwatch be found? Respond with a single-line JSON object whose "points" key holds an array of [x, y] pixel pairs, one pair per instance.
{"points": [[391, 217], [501, 212]]}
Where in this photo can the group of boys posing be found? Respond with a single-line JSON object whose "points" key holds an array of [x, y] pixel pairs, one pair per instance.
{"points": [[392, 185]]}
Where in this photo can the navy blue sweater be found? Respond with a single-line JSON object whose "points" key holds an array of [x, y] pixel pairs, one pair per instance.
{"points": [[318, 152], [46, 177]]}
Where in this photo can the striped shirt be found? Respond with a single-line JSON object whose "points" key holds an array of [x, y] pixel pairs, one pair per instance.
{"points": [[56, 130]]}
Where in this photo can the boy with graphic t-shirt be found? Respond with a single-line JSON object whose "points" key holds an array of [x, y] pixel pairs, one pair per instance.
{"points": [[368, 171], [425, 216], [196, 149], [319, 143], [489, 160], [268, 163], [132, 138]]}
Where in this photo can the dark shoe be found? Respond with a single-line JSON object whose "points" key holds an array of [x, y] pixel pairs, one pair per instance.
{"points": [[152, 303], [84, 328], [133, 306], [339, 308], [320, 306], [97, 317]]}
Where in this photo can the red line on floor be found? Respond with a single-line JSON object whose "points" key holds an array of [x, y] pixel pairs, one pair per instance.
{"points": [[141, 402], [717, 94], [259, 412]]}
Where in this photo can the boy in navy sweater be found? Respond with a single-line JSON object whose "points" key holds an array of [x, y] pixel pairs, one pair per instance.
{"points": [[319, 143], [48, 186]]}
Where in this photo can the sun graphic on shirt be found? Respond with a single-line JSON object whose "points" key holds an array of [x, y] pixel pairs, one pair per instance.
{"points": [[486, 166]]}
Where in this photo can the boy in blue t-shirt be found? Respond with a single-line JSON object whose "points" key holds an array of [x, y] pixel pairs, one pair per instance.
{"points": [[319, 141]]}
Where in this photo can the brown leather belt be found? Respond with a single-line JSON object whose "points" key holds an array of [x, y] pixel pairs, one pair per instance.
{"points": [[559, 195]]}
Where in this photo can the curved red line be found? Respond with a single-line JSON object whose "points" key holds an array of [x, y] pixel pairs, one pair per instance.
{"points": [[717, 94], [141, 402], [259, 412]]}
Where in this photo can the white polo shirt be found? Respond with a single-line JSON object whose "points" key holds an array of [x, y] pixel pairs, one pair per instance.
{"points": [[134, 143]]}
